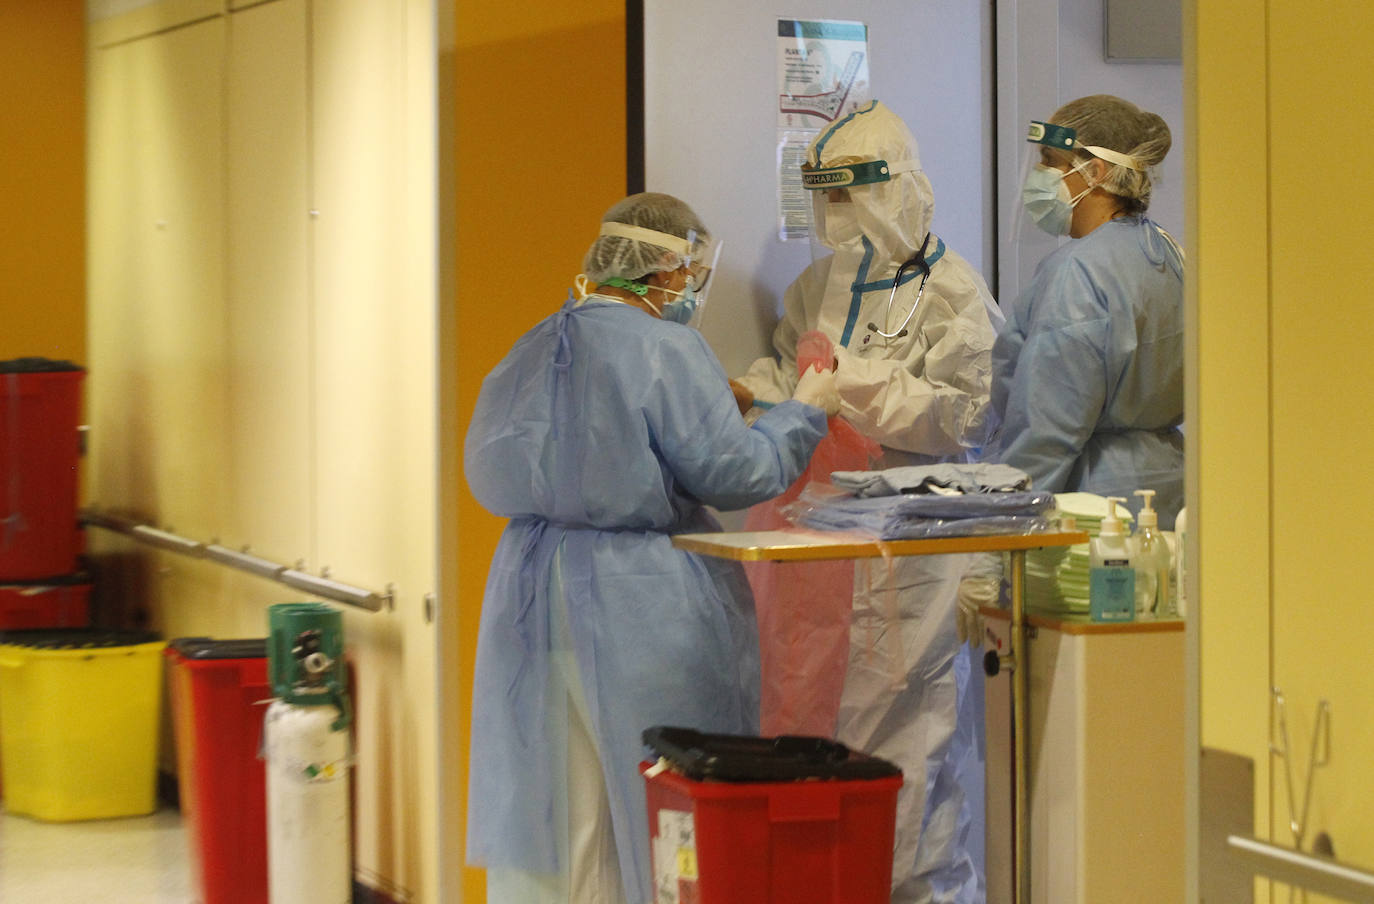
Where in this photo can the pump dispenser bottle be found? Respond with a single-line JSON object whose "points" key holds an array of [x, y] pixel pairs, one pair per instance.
{"points": [[1152, 563], [1111, 576]]}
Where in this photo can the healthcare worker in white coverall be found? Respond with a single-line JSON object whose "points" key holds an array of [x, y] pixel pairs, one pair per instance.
{"points": [[912, 368]]}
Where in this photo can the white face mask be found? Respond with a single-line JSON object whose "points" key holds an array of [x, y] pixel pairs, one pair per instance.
{"points": [[840, 222]]}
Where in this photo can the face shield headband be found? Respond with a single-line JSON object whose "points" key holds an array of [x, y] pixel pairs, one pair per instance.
{"points": [[821, 178], [673, 243], [696, 253], [1064, 138]]}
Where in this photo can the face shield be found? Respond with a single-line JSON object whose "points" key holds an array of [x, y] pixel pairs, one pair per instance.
{"points": [[697, 255], [1052, 154], [848, 200], [700, 263]]}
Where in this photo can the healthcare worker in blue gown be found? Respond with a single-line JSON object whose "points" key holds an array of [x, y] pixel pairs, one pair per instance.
{"points": [[605, 430], [1088, 369]]}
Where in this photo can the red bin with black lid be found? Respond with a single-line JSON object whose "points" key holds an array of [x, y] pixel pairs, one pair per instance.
{"points": [[219, 691], [737, 819]]}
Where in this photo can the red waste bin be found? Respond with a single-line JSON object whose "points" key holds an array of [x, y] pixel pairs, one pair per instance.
{"points": [[219, 689], [58, 602], [747, 820], [40, 447]]}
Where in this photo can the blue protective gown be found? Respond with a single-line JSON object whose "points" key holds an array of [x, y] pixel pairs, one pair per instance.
{"points": [[600, 434], [1088, 369]]}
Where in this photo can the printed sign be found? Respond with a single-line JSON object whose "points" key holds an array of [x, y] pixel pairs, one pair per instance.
{"points": [[822, 77]]}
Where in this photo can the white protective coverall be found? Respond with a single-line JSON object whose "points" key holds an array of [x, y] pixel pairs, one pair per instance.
{"points": [[924, 396]]}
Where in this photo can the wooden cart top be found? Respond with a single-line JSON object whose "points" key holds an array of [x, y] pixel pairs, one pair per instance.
{"points": [[797, 545]]}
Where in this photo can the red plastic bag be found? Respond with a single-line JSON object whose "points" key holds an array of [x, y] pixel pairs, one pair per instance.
{"points": [[814, 349], [804, 607]]}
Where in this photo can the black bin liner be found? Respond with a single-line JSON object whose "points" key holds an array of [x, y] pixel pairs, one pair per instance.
{"points": [[73, 579], [208, 648], [747, 758], [37, 366], [75, 638]]}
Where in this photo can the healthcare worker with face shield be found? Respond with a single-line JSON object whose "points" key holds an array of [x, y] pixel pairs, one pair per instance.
{"points": [[605, 430], [913, 326], [1088, 370]]}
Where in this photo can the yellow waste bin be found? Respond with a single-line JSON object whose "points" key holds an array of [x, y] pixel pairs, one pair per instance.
{"points": [[79, 716]]}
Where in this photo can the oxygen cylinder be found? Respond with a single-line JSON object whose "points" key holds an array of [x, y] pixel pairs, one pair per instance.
{"points": [[306, 737]]}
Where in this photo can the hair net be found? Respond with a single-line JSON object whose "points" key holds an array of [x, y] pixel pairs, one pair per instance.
{"points": [[894, 215], [1110, 122], [612, 256]]}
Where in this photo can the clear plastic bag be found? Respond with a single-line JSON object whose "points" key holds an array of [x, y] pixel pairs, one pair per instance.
{"points": [[914, 517]]}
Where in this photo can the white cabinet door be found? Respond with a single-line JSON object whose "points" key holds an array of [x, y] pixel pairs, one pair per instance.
{"points": [[1106, 764], [375, 385], [270, 308], [158, 358]]}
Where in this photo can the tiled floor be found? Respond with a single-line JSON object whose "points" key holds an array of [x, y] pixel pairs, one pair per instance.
{"points": [[140, 860]]}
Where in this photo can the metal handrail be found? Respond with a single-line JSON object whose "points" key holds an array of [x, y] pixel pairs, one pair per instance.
{"points": [[1318, 874], [242, 561]]}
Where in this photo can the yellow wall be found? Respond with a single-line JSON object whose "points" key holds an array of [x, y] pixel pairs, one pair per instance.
{"points": [[540, 120], [1229, 416], [42, 180], [1322, 398], [1279, 400]]}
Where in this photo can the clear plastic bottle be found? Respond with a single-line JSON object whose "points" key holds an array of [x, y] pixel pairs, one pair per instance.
{"points": [[1111, 588], [1153, 563]]}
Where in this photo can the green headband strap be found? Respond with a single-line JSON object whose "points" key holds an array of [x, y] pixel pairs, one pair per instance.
{"points": [[628, 285]]}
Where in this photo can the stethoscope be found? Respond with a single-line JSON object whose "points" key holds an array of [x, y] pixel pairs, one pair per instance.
{"points": [[918, 261]]}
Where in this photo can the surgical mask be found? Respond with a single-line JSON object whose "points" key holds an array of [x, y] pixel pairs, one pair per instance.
{"points": [[683, 308], [1046, 198]]}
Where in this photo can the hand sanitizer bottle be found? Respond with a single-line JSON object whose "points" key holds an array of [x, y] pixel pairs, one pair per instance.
{"points": [[1152, 563], [1111, 577]]}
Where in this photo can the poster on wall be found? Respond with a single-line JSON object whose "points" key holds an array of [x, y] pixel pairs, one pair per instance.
{"points": [[822, 77]]}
